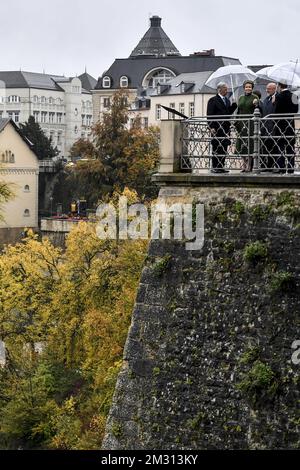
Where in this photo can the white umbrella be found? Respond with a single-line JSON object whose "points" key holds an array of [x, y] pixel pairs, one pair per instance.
{"points": [[237, 74], [263, 73], [286, 72]]}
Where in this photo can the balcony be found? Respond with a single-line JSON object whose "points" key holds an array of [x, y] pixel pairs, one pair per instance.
{"points": [[231, 150]]}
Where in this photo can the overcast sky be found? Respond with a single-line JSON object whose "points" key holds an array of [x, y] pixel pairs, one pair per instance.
{"points": [[62, 37]]}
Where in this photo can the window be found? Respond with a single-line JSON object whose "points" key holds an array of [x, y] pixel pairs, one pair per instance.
{"points": [[27, 213], [191, 109], [106, 82], [35, 99], [59, 135], [75, 129], [13, 99], [43, 117], [76, 89], [36, 116], [88, 120], [83, 119], [43, 99], [106, 102], [59, 118], [51, 100], [181, 108], [124, 81], [8, 157], [171, 115], [17, 116], [146, 123], [51, 118], [26, 188], [14, 115], [157, 112], [52, 136], [156, 76]]}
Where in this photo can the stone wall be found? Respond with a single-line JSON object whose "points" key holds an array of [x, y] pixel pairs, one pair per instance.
{"points": [[208, 359]]}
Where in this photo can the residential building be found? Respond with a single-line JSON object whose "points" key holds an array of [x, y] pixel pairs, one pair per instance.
{"points": [[19, 166], [154, 62], [62, 106]]}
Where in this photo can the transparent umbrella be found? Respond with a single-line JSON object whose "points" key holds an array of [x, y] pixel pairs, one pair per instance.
{"points": [[286, 72], [263, 73], [234, 74]]}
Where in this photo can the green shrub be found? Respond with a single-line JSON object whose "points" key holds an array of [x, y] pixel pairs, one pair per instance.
{"points": [[255, 252], [259, 383], [162, 265], [283, 282]]}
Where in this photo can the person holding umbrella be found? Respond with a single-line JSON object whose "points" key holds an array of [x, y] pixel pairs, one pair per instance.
{"points": [[220, 105], [286, 103], [245, 129]]}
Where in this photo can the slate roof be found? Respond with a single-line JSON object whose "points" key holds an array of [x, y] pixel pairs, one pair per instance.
{"points": [[135, 68], [88, 82], [21, 79], [155, 42], [195, 81]]}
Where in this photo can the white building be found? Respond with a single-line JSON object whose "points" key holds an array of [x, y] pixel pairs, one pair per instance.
{"points": [[62, 106], [19, 167]]}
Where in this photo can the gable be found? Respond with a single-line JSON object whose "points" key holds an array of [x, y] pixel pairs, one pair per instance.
{"points": [[14, 151]]}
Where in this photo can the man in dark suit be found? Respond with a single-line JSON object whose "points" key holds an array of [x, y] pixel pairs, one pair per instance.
{"points": [[285, 103], [220, 105], [269, 147]]}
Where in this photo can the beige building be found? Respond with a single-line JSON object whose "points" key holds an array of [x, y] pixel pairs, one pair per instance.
{"points": [[19, 166]]}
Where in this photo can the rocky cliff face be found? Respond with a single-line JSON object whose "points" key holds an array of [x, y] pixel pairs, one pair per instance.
{"points": [[208, 360]]}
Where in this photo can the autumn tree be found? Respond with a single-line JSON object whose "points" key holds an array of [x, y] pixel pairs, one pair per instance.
{"points": [[118, 156], [64, 318]]}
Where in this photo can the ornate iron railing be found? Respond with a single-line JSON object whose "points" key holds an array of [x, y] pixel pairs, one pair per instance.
{"points": [[244, 143]]}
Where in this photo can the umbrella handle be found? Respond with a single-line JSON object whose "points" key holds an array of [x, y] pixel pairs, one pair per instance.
{"points": [[232, 86]]}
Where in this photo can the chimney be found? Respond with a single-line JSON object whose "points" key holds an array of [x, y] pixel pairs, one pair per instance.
{"points": [[155, 21]]}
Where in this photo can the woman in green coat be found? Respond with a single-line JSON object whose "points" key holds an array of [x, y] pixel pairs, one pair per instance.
{"points": [[245, 143]]}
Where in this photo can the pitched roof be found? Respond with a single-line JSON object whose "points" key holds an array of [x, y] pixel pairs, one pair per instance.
{"points": [[5, 122], [195, 81], [155, 42], [135, 68], [20, 79], [88, 82]]}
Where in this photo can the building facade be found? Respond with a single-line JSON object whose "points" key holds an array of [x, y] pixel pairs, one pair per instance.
{"points": [[153, 63], [19, 167], [62, 106]]}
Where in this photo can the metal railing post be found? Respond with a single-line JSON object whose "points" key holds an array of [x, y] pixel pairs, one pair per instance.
{"points": [[256, 137]]}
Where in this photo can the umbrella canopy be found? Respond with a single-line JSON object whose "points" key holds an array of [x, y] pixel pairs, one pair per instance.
{"points": [[263, 73], [286, 72], [173, 111], [234, 75]]}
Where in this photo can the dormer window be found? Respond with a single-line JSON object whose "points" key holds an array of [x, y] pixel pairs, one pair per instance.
{"points": [[124, 82], [106, 82]]}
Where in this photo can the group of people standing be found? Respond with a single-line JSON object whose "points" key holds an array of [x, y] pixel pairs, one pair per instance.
{"points": [[277, 136]]}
